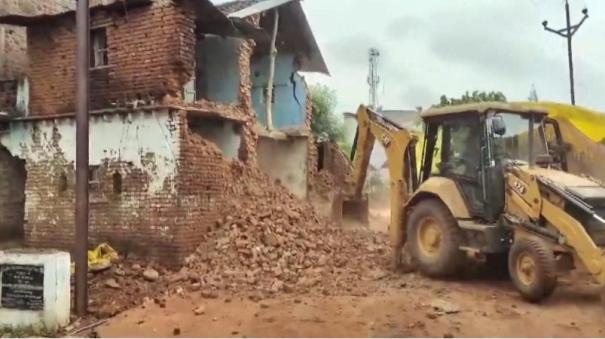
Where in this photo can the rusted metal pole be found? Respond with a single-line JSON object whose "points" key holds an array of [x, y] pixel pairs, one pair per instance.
{"points": [[82, 114], [272, 57]]}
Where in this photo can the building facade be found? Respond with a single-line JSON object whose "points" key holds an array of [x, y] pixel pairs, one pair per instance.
{"points": [[172, 98]]}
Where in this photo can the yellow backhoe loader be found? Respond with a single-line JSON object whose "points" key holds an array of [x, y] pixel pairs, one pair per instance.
{"points": [[486, 186]]}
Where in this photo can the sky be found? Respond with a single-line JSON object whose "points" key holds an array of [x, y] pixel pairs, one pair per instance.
{"points": [[434, 47]]}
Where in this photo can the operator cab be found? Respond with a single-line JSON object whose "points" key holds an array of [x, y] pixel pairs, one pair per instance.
{"points": [[472, 144]]}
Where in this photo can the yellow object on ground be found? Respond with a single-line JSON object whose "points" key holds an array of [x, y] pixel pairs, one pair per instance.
{"points": [[100, 258]]}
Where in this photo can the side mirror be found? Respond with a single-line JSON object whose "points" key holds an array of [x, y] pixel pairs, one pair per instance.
{"points": [[498, 125]]}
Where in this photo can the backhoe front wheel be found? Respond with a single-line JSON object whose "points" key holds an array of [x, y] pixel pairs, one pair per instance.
{"points": [[434, 239], [533, 269]]}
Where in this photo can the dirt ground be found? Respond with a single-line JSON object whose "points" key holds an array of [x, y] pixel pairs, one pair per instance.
{"points": [[405, 305], [479, 309]]}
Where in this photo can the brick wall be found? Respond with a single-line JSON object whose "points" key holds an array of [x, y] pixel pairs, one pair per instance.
{"points": [[13, 39], [131, 220], [150, 55], [312, 154], [13, 52], [335, 161], [201, 185], [249, 135], [12, 182], [165, 222]]}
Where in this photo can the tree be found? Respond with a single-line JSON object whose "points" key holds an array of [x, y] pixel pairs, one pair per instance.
{"points": [[324, 123], [475, 96]]}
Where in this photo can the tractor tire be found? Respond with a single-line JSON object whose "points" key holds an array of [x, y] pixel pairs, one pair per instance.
{"points": [[533, 268], [434, 239]]}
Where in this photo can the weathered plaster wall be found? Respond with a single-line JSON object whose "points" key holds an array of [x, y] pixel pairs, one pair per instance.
{"points": [[286, 161], [290, 96], [156, 185], [224, 133], [217, 68], [144, 139], [133, 181]]}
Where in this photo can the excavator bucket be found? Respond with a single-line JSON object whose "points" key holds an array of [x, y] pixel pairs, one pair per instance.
{"points": [[357, 210]]}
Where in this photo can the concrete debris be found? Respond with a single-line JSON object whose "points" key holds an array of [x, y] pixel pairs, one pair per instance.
{"points": [[209, 294], [151, 275], [112, 283], [201, 309], [445, 307]]}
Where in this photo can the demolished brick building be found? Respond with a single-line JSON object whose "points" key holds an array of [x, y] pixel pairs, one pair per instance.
{"points": [[13, 55], [164, 75]]}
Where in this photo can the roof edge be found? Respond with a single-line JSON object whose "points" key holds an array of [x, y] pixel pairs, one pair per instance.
{"points": [[481, 107]]}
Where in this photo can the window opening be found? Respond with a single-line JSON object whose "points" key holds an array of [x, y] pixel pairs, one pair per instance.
{"points": [[117, 182], [98, 48]]}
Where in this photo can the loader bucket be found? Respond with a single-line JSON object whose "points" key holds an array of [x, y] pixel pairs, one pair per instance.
{"points": [[356, 210]]}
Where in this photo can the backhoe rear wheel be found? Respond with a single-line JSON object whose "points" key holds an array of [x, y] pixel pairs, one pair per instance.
{"points": [[434, 239], [533, 268]]}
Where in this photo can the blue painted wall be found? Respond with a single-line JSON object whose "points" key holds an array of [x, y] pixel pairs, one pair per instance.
{"points": [[217, 58], [290, 99]]}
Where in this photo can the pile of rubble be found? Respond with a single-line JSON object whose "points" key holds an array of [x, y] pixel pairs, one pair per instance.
{"points": [[324, 183], [267, 241]]}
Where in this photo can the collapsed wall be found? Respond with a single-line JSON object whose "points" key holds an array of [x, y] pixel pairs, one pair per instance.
{"points": [[264, 241]]}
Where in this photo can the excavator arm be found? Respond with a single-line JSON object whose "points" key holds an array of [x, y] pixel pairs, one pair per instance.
{"points": [[400, 146]]}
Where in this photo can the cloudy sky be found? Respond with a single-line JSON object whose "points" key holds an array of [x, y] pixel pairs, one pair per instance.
{"points": [[434, 47]]}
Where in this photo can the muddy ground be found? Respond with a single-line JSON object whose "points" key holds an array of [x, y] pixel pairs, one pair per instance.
{"points": [[400, 305]]}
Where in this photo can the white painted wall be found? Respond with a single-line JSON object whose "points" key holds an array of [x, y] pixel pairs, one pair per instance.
{"points": [[126, 138], [225, 134], [56, 289], [285, 160]]}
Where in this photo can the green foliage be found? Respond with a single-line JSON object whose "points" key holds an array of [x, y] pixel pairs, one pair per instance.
{"points": [[325, 125], [475, 96]]}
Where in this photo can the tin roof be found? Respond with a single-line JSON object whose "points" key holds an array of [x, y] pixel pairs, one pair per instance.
{"points": [[240, 9]]}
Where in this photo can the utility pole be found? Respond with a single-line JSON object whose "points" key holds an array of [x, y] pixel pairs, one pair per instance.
{"points": [[568, 33], [373, 78], [82, 114]]}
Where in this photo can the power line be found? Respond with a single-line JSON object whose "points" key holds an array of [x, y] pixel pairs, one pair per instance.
{"points": [[568, 33]]}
